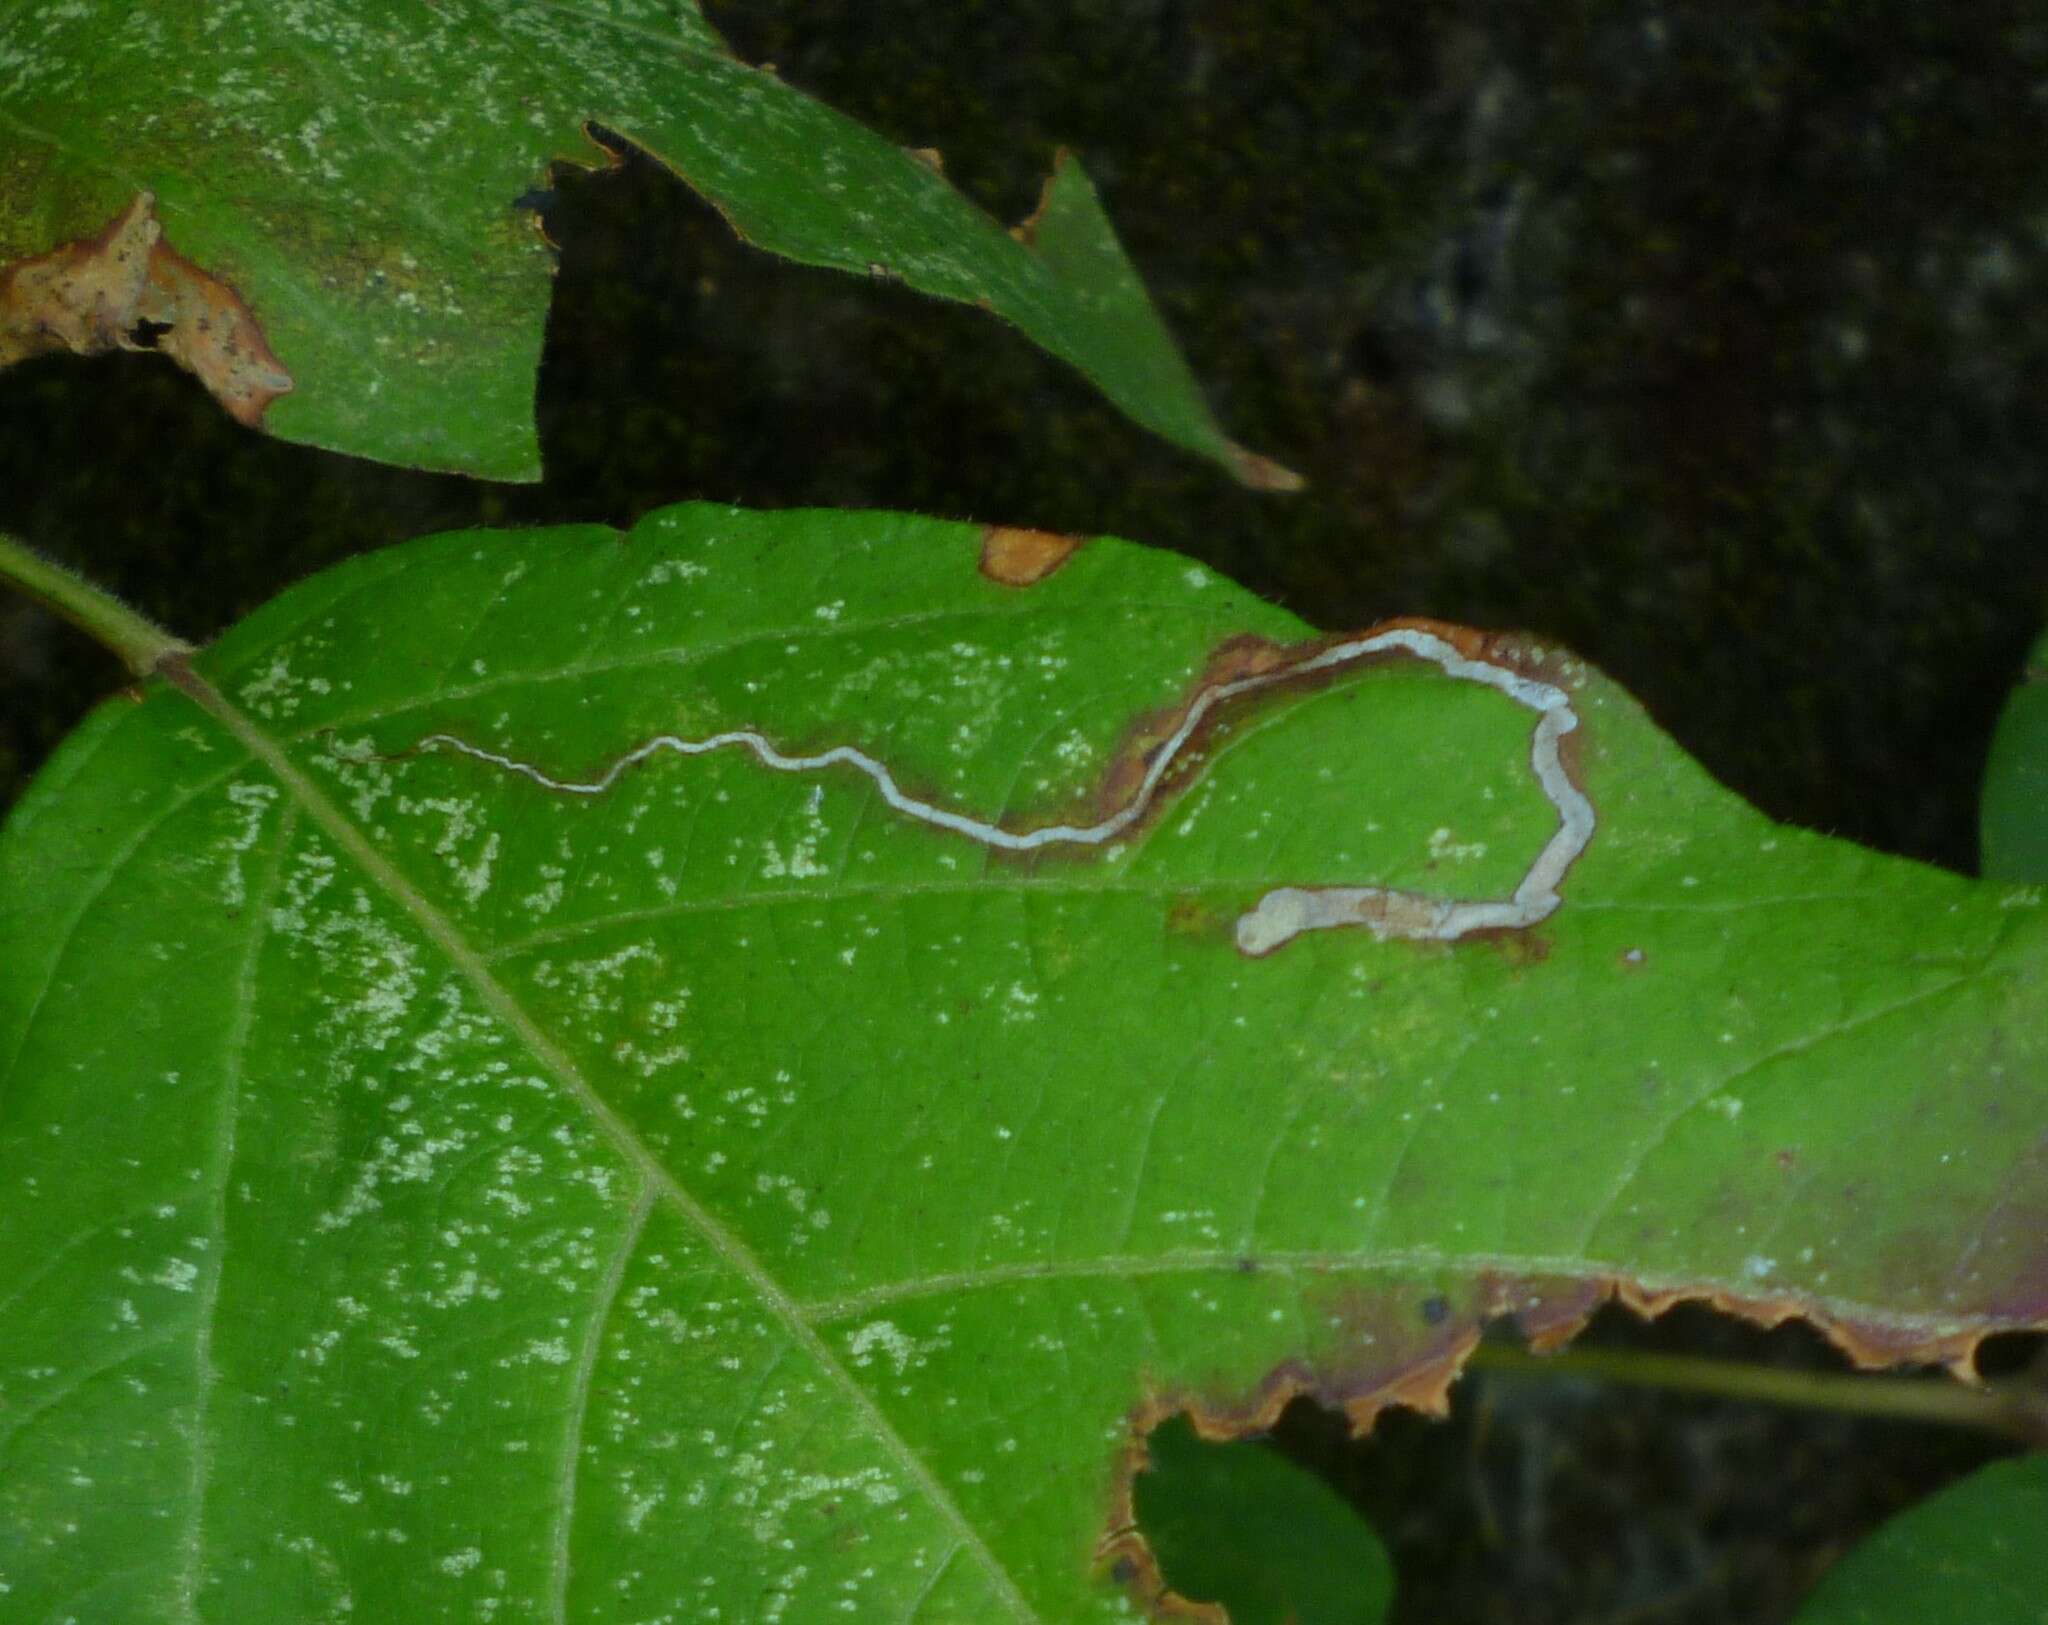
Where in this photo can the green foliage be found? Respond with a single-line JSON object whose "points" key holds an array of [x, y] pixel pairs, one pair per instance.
{"points": [[2016, 781], [724, 1181], [532, 1084], [1242, 1526], [1972, 1555], [352, 171]]}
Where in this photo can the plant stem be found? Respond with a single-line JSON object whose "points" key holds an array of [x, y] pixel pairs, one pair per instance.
{"points": [[140, 642], [2015, 1409]]}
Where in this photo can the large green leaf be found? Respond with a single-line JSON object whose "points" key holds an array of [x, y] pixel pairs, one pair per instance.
{"points": [[348, 169], [427, 1190], [2015, 814], [1972, 1555]]}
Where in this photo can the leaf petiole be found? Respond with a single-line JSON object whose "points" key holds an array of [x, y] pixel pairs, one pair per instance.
{"points": [[142, 645], [2019, 1410]]}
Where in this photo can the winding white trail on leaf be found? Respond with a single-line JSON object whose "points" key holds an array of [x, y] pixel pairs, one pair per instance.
{"points": [[1281, 914]]}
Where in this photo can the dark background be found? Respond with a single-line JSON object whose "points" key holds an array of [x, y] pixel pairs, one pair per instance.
{"points": [[1706, 338]]}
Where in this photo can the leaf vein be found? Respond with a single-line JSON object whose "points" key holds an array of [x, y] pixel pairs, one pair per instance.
{"points": [[734, 1253]]}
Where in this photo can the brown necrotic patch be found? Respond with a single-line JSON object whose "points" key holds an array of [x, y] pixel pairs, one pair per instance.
{"points": [[127, 289], [1015, 557]]}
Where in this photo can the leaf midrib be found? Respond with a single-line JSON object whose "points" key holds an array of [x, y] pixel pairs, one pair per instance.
{"points": [[776, 1302]]}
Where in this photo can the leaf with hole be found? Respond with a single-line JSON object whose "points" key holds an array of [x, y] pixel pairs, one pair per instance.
{"points": [[315, 208], [1242, 1528], [745, 1065]]}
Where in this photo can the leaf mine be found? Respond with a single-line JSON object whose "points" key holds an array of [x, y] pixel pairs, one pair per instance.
{"points": [[1281, 914], [720, 1185], [128, 289]]}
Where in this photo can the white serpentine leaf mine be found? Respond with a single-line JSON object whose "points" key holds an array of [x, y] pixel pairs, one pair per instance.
{"points": [[1283, 913]]}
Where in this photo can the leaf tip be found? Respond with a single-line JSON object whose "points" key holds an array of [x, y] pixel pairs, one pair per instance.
{"points": [[1259, 472]]}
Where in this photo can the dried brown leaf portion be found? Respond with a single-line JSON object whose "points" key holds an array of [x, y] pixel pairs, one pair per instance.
{"points": [[1262, 473], [1012, 556], [1419, 1338], [128, 289]]}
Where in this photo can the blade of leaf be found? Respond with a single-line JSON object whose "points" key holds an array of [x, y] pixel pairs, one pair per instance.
{"points": [[423, 1183], [1972, 1555], [2015, 814], [334, 185], [1242, 1526]]}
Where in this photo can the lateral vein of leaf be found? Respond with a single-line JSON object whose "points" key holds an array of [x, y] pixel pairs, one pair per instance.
{"points": [[1152, 890], [1720, 1085], [1399, 1260], [586, 1375], [129, 1352], [932, 1582], [232, 1074], [94, 157], [115, 865], [775, 1300], [671, 657], [1453, 1069]]}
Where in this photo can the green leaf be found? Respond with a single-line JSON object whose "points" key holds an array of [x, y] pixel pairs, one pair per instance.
{"points": [[424, 1188], [2015, 815], [340, 181], [1242, 1526], [1972, 1555]]}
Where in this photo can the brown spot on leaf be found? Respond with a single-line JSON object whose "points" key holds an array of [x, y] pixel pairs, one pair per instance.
{"points": [[1015, 557], [128, 289]]}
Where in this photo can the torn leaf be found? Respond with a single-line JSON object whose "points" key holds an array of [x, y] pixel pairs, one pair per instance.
{"points": [[128, 289], [791, 1087], [359, 173]]}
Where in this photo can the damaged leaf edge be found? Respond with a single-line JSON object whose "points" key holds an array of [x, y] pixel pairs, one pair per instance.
{"points": [[1252, 469], [1549, 1314], [126, 288]]}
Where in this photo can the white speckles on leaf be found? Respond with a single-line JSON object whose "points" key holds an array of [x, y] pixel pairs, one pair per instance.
{"points": [[275, 694], [177, 1274], [251, 800], [469, 862], [885, 1340], [669, 570], [800, 861], [362, 774], [1444, 846]]}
